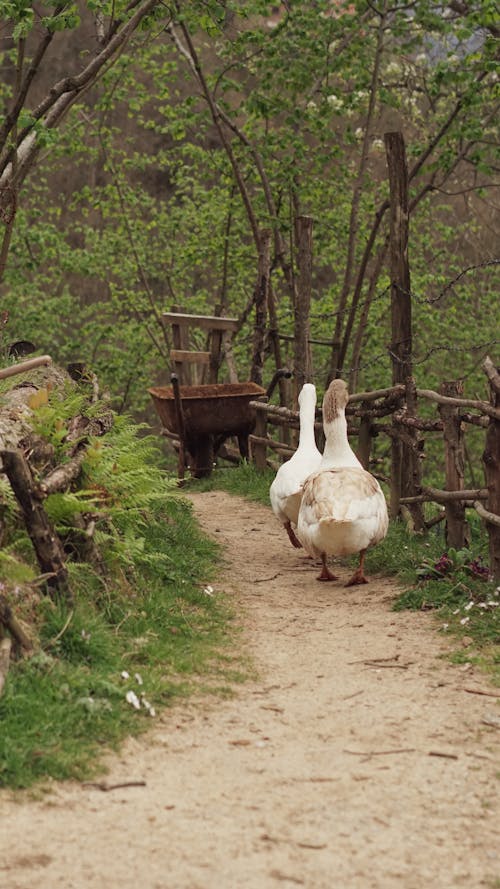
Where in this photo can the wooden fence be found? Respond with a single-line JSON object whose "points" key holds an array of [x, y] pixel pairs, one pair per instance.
{"points": [[393, 412]]}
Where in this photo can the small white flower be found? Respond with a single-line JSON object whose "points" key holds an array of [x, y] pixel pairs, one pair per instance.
{"points": [[378, 145], [445, 626], [393, 68], [465, 620], [208, 590], [132, 699], [147, 706], [468, 606], [334, 102], [457, 611], [138, 678], [311, 105], [124, 674], [359, 133]]}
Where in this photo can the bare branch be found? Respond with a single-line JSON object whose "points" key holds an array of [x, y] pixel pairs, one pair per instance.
{"points": [[63, 94], [12, 117]]}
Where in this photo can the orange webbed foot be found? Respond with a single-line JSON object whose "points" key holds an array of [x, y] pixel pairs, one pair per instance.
{"points": [[326, 574]]}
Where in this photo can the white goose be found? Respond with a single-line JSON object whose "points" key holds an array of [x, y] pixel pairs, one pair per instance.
{"points": [[286, 490], [343, 508]]}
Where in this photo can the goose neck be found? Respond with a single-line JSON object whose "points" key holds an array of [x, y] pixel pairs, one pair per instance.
{"points": [[307, 417], [337, 447]]}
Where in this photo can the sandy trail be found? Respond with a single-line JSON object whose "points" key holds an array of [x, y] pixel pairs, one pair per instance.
{"points": [[355, 759]]}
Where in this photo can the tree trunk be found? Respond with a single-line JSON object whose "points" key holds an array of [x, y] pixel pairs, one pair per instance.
{"points": [[403, 455], [261, 306]]}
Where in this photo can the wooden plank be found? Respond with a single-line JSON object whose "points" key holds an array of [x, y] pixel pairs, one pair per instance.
{"points": [[206, 322], [184, 355], [180, 340], [24, 366]]}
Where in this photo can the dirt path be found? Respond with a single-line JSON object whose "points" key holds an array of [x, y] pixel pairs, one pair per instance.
{"points": [[356, 759]]}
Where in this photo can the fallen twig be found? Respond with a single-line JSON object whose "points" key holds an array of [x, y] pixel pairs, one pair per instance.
{"points": [[265, 579], [379, 752], [101, 785], [444, 755], [480, 691]]}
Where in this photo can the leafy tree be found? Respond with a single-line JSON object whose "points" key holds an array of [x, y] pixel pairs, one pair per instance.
{"points": [[238, 118], [32, 33]]}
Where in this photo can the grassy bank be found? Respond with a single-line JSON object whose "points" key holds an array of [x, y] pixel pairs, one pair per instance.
{"points": [[129, 647], [149, 623]]}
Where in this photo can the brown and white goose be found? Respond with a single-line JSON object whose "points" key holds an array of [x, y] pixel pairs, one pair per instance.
{"points": [[343, 508]]}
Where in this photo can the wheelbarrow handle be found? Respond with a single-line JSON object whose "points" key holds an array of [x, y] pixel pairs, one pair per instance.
{"points": [[179, 413], [281, 374]]}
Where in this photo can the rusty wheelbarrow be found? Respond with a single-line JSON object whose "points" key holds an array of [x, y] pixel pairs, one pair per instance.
{"points": [[204, 416]]}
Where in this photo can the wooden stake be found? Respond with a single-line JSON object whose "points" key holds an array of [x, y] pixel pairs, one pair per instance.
{"points": [[457, 531], [259, 448], [48, 548], [10, 622], [5, 646]]}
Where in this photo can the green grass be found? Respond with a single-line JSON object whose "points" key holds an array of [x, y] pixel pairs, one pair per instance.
{"points": [[67, 704], [243, 480], [464, 605]]}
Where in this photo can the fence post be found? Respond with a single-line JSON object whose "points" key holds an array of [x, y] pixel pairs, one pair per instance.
{"points": [[364, 440], [412, 481], [259, 450], [402, 453], [457, 530], [491, 460]]}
